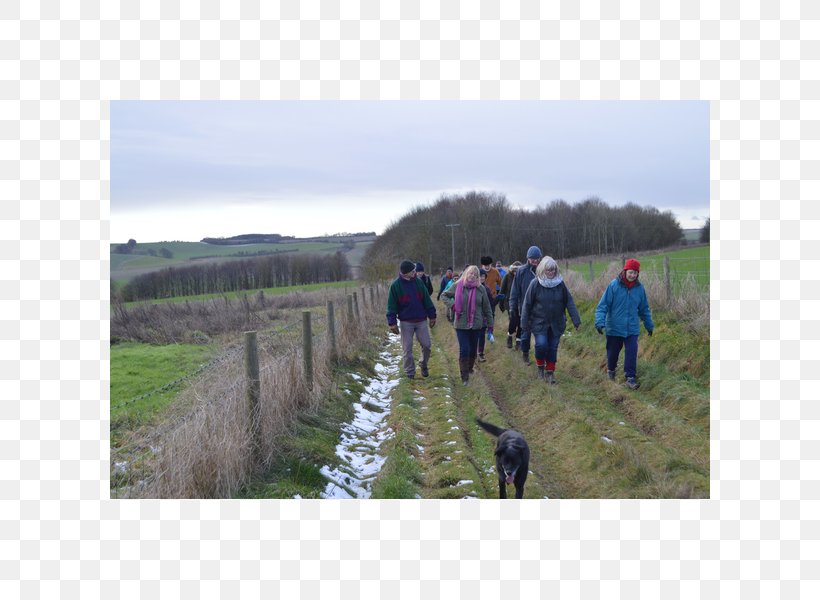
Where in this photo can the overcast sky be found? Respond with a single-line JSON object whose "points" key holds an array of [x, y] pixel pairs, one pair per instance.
{"points": [[194, 169]]}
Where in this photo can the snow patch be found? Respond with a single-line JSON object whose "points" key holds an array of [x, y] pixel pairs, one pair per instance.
{"points": [[362, 437]]}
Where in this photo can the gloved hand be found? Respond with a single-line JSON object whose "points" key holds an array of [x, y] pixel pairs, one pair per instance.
{"points": [[394, 329], [500, 296], [490, 337], [649, 332], [599, 330], [432, 323]]}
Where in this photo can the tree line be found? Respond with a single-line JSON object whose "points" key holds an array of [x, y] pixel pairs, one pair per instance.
{"points": [[459, 228], [237, 275]]}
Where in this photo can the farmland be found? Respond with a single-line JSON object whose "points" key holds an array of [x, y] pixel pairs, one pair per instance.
{"points": [[656, 440], [125, 267]]}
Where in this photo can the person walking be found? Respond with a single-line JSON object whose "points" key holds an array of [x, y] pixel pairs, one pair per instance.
{"points": [[425, 279], [546, 301], [409, 301], [619, 312], [448, 277], [503, 297], [471, 306], [487, 332], [453, 281], [501, 270], [493, 281], [523, 277]]}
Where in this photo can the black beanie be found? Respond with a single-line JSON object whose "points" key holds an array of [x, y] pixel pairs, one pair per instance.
{"points": [[407, 266]]}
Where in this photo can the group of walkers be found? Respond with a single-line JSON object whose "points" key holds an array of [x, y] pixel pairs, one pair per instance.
{"points": [[537, 301]]}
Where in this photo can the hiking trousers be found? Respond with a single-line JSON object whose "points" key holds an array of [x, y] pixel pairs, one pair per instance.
{"points": [[421, 331]]}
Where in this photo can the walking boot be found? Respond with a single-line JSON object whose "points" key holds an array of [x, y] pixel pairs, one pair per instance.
{"points": [[525, 356], [550, 378], [540, 371], [471, 364], [632, 384], [517, 344], [610, 374], [424, 371], [509, 341], [464, 367], [481, 357]]}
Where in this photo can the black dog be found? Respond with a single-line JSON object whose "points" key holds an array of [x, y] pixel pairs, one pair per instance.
{"points": [[512, 459]]}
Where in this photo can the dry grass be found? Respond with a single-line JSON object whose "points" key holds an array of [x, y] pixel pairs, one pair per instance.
{"points": [[206, 448]]}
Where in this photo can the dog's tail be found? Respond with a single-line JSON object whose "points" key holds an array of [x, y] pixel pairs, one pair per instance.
{"points": [[496, 431]]}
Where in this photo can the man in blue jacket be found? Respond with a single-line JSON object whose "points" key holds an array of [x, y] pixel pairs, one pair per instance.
{"points": [[621, 309], [523, 276]]}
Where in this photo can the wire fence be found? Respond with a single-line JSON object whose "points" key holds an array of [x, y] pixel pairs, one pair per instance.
{"points": [[210, 439]]}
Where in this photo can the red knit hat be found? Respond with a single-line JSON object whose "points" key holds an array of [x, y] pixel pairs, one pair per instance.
{"points": [[633, 265]]}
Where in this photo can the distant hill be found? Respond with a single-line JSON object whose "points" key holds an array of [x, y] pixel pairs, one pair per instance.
{"points": [[248, 238], [275, 238], [154, 256]]}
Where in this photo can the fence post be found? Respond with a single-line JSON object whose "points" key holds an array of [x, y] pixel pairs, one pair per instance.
{"points": [[364, 305], [331, 331], [350, 309], [668, 277], [307, 348], [372, 300], [356, 303], [253, 389], [591, 276]]}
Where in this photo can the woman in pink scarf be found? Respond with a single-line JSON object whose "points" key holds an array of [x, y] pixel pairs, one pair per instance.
{"points": [[473, 312]]}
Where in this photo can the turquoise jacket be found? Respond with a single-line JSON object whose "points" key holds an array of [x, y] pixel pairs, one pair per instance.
{"points": [[621, 309]]}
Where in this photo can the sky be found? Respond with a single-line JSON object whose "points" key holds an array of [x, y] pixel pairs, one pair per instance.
{"points": [[186, 170]]}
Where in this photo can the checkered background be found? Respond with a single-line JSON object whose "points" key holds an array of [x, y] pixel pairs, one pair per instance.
{"points": [[61, 63]]}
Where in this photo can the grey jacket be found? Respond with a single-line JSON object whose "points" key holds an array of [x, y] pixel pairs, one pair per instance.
{"points": [[545, 307]]}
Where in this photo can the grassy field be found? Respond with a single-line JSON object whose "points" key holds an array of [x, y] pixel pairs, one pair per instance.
{"points": [[127, 266], [143, 380], [682, 263], [589, 437]]}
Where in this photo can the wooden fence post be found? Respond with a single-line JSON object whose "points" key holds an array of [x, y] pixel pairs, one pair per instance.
{"points": [[331, 331], [372, 300], [350, 309], [668, 278], [356, 303], [253, 389], [307, 348], [364, 305]]}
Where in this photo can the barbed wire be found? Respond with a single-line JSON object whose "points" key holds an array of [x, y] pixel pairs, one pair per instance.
{"points": [[269, 336], [175, 382]]}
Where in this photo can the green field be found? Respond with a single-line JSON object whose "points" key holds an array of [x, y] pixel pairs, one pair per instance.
{"points": [[143, 376], [127, 266], [688, 261]]}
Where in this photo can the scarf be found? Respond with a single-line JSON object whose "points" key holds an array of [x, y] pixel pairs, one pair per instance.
{"points": [[551, 283], [472, 288], [626, 282]]}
